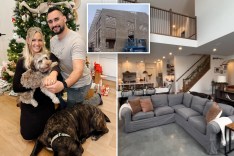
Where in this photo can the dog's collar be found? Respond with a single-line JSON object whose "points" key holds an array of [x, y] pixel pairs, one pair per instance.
{"points": [[58, 135]]}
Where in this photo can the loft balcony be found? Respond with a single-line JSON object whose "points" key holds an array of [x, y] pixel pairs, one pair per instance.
{"points": [[169, 23]]}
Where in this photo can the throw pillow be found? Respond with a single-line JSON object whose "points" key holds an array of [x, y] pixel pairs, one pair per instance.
{"points": [[146, 105], [135, 105], [214, 112]]}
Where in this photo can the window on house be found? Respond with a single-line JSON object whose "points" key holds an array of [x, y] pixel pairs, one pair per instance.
{"points": [[131, 25], [110, 43], [130, 33]]}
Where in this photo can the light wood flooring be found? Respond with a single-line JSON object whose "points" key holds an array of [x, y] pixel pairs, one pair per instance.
{"points": [[12, 144]]}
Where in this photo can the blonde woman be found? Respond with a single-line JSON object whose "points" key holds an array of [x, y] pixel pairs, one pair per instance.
{"points": [[33, 119]]}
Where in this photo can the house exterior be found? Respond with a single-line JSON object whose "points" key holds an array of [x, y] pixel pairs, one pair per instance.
{"points": [[111, 28]]}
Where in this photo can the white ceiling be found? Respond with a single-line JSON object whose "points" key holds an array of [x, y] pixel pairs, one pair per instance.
{"points": [[224, 46], [180, 6]]}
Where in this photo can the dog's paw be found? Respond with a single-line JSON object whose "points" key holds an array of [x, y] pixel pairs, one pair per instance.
{"points": [[55, 100], [34, 103]]}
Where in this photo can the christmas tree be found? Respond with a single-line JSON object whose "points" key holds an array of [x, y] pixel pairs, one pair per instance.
{"points": [[31, 13]]}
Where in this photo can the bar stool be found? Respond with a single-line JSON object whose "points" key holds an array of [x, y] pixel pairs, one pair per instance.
{"points": [[126, 93], [138, 92], [150, 91]]}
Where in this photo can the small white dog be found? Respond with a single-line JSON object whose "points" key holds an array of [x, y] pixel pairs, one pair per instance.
{"points": [[41, 66]]}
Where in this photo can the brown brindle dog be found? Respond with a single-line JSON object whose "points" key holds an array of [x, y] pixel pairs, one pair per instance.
{"points": [[67, 129]]}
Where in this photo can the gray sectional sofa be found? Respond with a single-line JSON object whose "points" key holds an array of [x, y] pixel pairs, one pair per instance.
{"points": [[186, 110]]}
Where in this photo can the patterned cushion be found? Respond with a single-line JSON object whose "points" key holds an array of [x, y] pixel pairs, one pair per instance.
{"points": [[135, 105], [213, 113], [146, 105]]}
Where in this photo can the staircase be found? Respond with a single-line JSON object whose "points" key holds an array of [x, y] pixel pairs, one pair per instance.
{"points": [[202, 67]]}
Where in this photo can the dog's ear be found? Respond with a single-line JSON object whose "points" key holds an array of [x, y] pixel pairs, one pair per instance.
{"points": [[106, 118]]}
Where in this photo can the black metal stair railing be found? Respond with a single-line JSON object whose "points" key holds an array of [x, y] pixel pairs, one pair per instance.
{"points": [[196, 74]]}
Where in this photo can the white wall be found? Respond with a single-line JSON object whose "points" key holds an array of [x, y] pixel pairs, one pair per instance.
{"points": [[182, 63], [108, 63], [214, 19], [172, 40], [6, 26]]}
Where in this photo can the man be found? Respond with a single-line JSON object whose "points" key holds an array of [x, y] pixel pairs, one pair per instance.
{"points": [[68, 46]]}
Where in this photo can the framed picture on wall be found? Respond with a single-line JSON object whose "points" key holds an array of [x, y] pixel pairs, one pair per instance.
{"points": [[221, 71], [216, 69]]}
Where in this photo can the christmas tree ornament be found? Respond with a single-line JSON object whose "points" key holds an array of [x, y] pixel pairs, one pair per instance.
{"points": [[70, 16], [37, 20], [13, 20], [43, 23], [15, 36], [25, 17]]}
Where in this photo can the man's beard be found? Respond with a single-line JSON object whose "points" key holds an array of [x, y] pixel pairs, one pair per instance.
{"points": [[60, 30]]}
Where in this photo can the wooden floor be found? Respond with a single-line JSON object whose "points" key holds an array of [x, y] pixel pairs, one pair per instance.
{"points": [[11, 142]]}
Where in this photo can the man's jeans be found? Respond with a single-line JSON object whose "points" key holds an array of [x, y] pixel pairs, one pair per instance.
{"points": [[77, 95]]}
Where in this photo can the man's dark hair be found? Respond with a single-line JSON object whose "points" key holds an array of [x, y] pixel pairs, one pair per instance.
{"points": [[53, 9]]}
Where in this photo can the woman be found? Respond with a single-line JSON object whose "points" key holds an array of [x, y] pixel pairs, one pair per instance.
{"points": [[33, 119]]}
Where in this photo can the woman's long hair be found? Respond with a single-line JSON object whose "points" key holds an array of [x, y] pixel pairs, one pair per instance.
{"points": [[27, 54]]}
